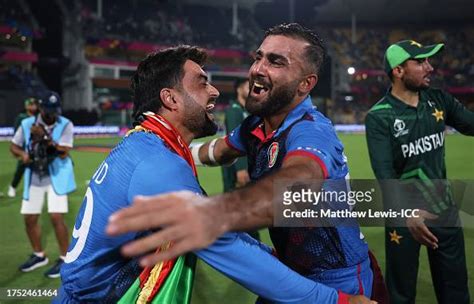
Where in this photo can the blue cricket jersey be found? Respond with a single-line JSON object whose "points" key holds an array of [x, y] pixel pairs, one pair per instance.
{"points": [[95, 271], [320, 253]]}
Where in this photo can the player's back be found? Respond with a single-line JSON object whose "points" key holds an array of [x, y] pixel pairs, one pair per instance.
{"points": [[94, 267]]}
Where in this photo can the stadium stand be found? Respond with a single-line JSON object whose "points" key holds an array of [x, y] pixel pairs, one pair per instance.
{"points": [[115, 38], [97, 44], [454, 69]]}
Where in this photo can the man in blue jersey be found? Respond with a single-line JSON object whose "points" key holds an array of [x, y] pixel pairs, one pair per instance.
{"points": [[173, 100], [284, 138]]}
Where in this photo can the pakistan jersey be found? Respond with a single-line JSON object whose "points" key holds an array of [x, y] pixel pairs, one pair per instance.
{"points": [[407, 142]]}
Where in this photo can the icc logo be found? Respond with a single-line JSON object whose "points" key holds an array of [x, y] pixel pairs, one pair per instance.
{"points": [[399, 128], [399, 125]]}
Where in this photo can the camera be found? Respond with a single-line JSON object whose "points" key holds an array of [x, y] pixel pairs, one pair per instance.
{"points": [[42, 151]]}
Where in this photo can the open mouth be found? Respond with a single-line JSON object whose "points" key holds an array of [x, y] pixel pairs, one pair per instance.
{"points": [[259, 89], [209, 110]]}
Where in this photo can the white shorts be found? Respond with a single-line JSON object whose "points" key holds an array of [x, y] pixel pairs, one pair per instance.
{"points": [[56, 203]]}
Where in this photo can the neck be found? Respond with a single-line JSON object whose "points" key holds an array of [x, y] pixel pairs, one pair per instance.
{"points": [[47, 121], [272, 122], [241, 101], [185, 134], [409, 97]]}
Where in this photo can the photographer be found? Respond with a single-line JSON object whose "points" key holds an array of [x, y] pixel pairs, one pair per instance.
{"points": [[47, 139]]}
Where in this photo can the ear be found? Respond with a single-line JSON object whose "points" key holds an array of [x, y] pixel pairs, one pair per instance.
{"points": [[308, 83], [398, 71], [167, 99]]}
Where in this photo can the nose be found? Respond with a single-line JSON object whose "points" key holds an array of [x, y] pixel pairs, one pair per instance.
{"points": [[213, 92], [257, 68], [428, 66]]}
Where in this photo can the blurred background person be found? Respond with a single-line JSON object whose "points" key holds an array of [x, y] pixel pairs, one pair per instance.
{"points": [[236, 175], [31, 109]]}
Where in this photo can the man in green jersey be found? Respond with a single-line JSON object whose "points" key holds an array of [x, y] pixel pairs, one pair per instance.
{"points": [[236, 175], [405, 136], [31, 109]]}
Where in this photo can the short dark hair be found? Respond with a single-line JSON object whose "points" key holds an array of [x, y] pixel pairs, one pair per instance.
{"points": [[315, 52], [161, 69]]}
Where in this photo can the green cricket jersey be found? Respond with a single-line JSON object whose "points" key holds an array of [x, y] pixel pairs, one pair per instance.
{"points": [[406, 142], [19, 118], [234, 115]]}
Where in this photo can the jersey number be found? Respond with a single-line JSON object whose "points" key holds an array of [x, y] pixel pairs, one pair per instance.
{"points": [[81, 233]]}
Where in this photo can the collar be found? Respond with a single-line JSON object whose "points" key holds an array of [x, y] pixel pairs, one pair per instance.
{"points": [[236, 104], [164, 129], [295, 114], [400, 105]]}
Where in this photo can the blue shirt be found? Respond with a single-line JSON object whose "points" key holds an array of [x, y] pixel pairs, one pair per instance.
{"points": [[143, 165], [305, 132]]}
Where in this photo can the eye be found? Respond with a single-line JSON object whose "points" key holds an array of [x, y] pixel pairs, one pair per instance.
{"points": [[276, 62]]}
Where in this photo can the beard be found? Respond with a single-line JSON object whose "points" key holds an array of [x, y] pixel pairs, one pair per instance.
{"points": [[197, 120], [276, 100], [413, 85]]}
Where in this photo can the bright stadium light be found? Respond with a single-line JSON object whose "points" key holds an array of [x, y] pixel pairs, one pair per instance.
{"points": [[351, 70]]}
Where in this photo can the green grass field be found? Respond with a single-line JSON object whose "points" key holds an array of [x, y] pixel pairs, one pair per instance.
{"points": [[210, 287]]}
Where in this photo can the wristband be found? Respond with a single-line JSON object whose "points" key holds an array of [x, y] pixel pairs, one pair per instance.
{"points": [[210, 152], [195, 154]]}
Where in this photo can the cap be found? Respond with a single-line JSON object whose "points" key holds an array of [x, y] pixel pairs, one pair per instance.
{"points": [[29, 101], [401, 51], [50, 102]]}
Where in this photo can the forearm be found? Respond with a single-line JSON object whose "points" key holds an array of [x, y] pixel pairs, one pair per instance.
{"points": [[62, 151], [17, 151], [252, 206], [219, 150], [244, 260]]}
